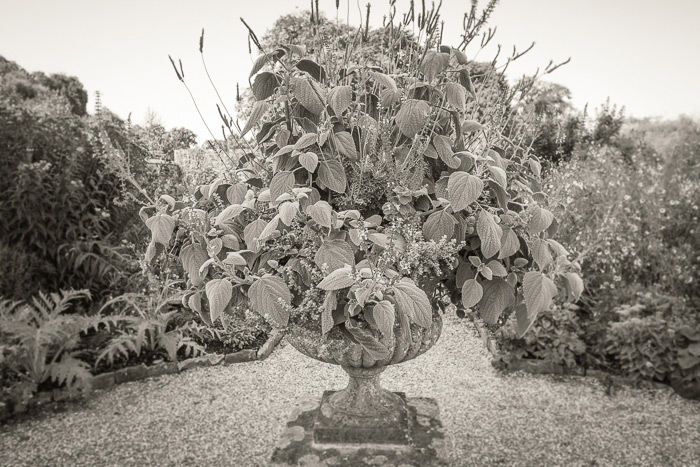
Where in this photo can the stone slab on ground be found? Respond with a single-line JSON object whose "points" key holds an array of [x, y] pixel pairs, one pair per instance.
{"points": [[240, 356], [132, 373], [296, 446]]}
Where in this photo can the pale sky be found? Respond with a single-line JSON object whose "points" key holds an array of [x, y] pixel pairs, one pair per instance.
{"points": [[643, 54]]}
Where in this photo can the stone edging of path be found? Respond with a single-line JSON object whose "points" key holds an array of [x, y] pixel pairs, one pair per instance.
{"points": [[138, 372], [542, 367]]}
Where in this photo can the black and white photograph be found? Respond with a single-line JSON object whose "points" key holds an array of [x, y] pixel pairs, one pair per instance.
{"points": [[349, 233]]}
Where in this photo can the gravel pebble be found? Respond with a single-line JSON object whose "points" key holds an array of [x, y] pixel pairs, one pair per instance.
{"points": [[232, 415]]}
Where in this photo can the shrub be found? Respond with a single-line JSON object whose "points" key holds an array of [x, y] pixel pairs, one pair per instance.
{"points": [[39, 342], [22, 273], [657, 338], [555, 337], [630, 223]]}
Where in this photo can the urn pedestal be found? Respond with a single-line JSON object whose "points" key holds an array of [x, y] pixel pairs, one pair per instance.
{"points": [[363, 424]]}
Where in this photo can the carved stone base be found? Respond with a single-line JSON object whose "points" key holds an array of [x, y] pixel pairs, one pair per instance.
{"points": [[312, 438], [334, 426]]}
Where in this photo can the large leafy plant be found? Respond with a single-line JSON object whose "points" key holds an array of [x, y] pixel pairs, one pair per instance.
{"points": [[39, 340], [370, 196]]}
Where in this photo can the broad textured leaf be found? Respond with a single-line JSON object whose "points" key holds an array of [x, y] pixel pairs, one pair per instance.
{"points": [[335, 253], [502, 196], [338, 279], [309, 161], [162, 226], [538, 290], [284, 150], [463, 274], [535, 167], [214, 247], [195, 302], [306, 95], [281, 183], [282, 137], [252, 232], [322, 213], [499, 175], [229, 214], [509, 244], [460, 56], [369, 343], [269, 229], [260, 108], [443, 146], [489, 233], [265, 85], [472, 292], [288, 211], [355, 237], [412, 116], [219, 292], [498, 156], [472, 125], [383, 80], [540, 252], [557, 247], [466, 81], [433, 64], [540, 220], [523, 320], [456, 95], [441, 188], [498, 295], [439, 224], [345, 144], [330, 303], [340, 98], [316, 71], [270, 295], [235, 259], [235, 194], [413, 301], [259, 63], [575, 285], [463, 189], [497, 268], [192, 257], [332, 174], [383, 316], [387, 97], [306, 140]]}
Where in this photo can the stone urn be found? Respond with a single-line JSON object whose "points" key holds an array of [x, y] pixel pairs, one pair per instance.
{"points": [[364, 419]]}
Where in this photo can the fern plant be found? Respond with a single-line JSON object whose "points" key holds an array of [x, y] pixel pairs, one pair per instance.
{"points": [[39, 341], [148, 328]]}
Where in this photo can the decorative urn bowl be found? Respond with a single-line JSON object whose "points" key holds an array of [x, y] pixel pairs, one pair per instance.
{"points": [[364, 412]]}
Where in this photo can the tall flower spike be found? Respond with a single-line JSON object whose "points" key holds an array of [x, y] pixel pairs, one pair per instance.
{"points": [[175, 68]]}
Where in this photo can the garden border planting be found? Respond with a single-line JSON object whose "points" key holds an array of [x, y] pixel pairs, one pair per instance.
{"points": [[139, 372], [544, 367]]}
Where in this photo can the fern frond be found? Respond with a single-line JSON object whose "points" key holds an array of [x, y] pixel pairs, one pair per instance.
{"points": [[56, 303], [109, 322], [70, 371], [8, 307], [192, 348], [121, 345], [170, 342]]}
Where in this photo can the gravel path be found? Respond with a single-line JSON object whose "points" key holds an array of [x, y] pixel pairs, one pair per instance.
{"points": [[232, 415]]}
